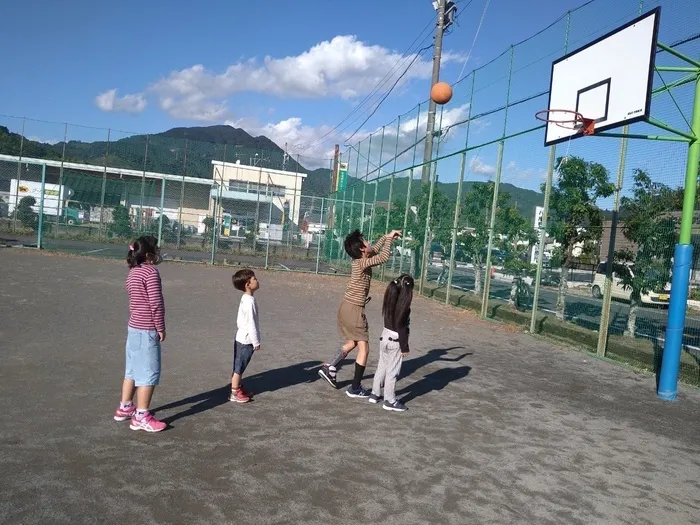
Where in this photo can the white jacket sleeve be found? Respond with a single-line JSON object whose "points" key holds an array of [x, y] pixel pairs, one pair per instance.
{"points": [[248, 328]]}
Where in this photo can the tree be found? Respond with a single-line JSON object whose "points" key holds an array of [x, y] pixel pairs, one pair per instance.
{"points": [[26, 214], [574, 218], [121, 222], [441, 219], [476, 217], [208, 223], [517, 236], [647, 222], [398, 210]]}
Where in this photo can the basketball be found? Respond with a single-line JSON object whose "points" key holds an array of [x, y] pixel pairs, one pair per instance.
{"points": [[441, 93]]}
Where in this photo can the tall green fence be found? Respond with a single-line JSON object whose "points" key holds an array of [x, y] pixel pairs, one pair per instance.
{"points": [[503, 225]]}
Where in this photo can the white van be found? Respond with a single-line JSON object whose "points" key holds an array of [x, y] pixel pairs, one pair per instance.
{"points": [[617, 290]]}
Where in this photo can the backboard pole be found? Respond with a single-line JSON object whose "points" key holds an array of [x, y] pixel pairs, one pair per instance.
{"points": [[682, 262]]}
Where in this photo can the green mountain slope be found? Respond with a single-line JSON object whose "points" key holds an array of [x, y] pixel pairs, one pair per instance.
{"points": [[189, 151]]}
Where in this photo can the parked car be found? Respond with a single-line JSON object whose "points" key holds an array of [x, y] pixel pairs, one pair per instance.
{"points": [[618, 291]]}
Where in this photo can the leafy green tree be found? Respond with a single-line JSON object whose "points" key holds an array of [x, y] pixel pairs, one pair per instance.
{"points": [[574, 217], [441, 220], [121, 222], [515, 239], [208, 230], [647, 221], [26, 214], [475, 216]]}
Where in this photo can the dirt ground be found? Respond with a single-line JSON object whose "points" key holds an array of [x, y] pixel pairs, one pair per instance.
{"points": [[502, 427]]}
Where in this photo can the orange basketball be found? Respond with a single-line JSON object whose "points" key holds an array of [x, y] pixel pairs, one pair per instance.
{"points": [[441, 93]]}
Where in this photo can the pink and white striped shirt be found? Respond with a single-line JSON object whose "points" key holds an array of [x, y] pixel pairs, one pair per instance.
{"points": [[146, 304]]}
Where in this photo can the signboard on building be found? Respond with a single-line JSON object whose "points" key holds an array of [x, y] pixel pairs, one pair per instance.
{"points": [[342, 179]]}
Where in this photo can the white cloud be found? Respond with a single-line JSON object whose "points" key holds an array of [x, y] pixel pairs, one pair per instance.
{"points": [[342, 67], [132, 103], [477, 165], [514, 172], [44, 141]]}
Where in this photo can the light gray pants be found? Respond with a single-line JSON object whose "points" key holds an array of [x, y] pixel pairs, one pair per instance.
{"points": [[389, 365]]}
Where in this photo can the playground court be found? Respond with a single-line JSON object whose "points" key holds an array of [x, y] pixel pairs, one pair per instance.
{"points": [[502, 427]]}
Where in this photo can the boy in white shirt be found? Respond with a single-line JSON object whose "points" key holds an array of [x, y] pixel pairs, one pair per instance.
{"points": [[247, 338]]}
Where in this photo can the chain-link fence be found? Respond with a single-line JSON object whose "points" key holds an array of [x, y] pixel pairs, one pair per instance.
{"points": [[523, 232], [574, 240]]}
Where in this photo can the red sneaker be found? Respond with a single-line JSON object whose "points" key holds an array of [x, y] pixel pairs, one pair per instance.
{"points": [[239, 397], [245, 392]]}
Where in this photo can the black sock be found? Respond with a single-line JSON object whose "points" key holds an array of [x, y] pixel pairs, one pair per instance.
{"points": [[359, 372]]}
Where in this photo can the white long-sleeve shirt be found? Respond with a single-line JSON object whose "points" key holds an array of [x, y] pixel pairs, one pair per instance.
{"points": [[248, 332]]}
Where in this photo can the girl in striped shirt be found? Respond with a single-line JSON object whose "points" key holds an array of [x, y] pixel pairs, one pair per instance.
{"points": [[145, 332]]}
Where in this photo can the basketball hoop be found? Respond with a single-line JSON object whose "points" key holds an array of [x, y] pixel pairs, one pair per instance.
{"points": [[567, 118]]}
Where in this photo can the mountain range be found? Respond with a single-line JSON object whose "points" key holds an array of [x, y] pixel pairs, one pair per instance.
{"points": [[189, 151]]}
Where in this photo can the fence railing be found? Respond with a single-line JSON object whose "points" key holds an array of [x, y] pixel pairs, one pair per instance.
{"points": [[516, 230], [495, 221]]}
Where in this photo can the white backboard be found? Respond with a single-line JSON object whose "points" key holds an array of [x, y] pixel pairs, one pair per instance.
{"points": [[608, 80]]}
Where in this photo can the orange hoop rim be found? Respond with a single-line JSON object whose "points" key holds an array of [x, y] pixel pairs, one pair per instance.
{"points": [[576, 121]]}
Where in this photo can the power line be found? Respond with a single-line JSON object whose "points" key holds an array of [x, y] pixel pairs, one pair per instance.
{"points": [[418, 54], [375, 90]]}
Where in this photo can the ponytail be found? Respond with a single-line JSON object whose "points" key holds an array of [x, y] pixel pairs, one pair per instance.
{"points": [[143, 249]]}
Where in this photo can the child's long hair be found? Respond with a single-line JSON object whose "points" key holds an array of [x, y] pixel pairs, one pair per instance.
{"points": [[143, 249], [397, 301]]}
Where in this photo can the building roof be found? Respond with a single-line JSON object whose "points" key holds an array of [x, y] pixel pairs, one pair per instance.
{"points": [[266, 170], [109, 169]]}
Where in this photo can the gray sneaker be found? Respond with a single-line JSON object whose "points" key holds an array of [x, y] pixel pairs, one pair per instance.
{"points": [[359, 392], [396, 406], [374, 399]]}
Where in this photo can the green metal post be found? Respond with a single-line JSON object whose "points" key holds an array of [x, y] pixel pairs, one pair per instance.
{"points": [[545, 209], [364, 185], [41, 207], [162, 205], [408, 197], [494, 205], [427, 240], [607, 288], [391, 191], [320, 237], [543, 238], [269, 222], [458, 203], [104, 187]]}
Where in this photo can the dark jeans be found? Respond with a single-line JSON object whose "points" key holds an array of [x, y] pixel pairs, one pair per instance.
{"points": [[242, 354]]}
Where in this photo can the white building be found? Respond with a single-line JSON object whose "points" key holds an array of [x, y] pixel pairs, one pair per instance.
{"points": [[245, 186]]}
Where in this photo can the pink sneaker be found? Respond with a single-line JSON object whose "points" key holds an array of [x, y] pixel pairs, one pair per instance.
{"points": [[147, 423], [122, 414]]}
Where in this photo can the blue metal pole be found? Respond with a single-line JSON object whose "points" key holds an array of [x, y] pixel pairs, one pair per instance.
{"points": [[682, 263]]}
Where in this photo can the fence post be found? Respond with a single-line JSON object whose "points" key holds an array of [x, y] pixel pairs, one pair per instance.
{"points": [[607, 290], [427, 240], [160, 217], [182, 193], [494, 204], [364, 186], [391, 191], [143, 183], [41, 207], [19, 176], [458, 203], [215, 232], [320, 237], [104, 188], [408, 197], [269, 221], [542, 240], [60, 177], [545, 210]]}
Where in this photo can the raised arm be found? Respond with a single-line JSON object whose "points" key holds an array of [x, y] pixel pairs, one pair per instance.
{"points": [[382, 257]]}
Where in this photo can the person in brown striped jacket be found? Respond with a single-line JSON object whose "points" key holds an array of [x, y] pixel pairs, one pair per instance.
{"points": [[352, 322]]}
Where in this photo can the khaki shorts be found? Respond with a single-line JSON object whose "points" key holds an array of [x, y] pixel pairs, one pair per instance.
{"points": [[352, 323]]}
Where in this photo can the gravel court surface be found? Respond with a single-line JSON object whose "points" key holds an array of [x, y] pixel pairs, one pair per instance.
{"points": [[501, 428]]}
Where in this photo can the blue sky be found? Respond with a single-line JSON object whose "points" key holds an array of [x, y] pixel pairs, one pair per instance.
{"points": [[289, 70]]}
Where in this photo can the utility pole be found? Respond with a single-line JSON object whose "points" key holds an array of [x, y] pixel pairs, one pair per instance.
{"points": [[437, 54]]}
